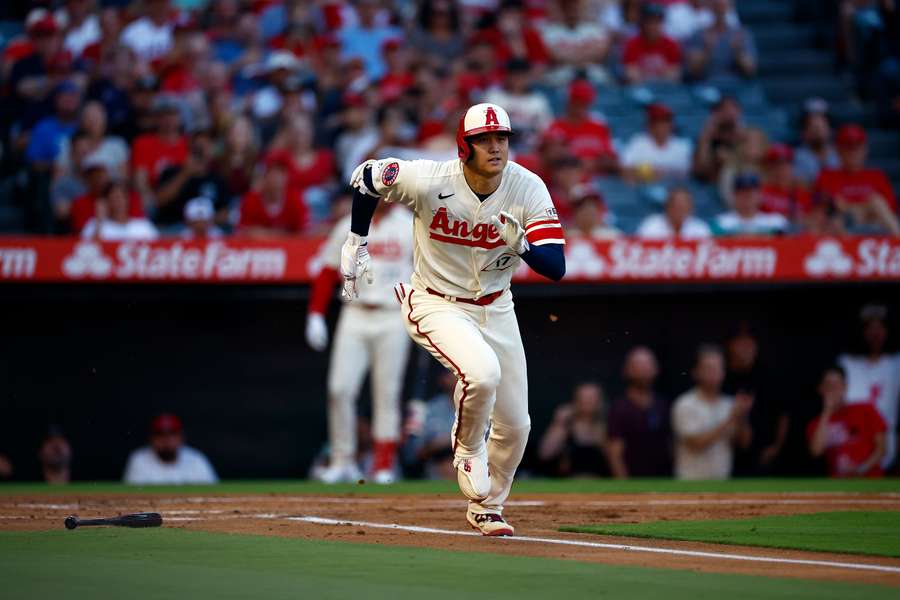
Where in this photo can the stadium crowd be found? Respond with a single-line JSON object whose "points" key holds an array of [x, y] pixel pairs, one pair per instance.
{"points": [[202, 118]]}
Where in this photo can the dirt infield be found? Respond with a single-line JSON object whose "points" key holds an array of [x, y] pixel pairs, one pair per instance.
{"points": [[437, 521]]}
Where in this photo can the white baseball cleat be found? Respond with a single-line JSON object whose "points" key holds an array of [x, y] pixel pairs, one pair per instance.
{"points": [[339, 474], [473, 477], [491, 524], [383, 477]]}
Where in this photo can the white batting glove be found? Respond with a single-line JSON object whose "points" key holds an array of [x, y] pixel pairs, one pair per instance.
{"points": [[316, 332], [357, 180], [355, 263], [511, 232]]}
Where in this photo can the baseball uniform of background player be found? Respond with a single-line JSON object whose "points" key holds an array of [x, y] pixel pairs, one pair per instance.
{"points": [[458, 305], [369, 332]]}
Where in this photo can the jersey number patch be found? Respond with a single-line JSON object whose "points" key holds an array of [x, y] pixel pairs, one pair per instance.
{"points": [[389, 174], [501, 264]]}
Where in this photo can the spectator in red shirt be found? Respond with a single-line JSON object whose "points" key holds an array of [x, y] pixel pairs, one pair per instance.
{"points": [[275, 209], [782, 192], [586, 137], [850, 436], [152, 153], [309, 166], [651, 55], [862, 193], [96, 170], [397, 78]]}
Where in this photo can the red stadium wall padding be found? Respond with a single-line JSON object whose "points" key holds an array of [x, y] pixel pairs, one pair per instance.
{"points": [[295, 261]]}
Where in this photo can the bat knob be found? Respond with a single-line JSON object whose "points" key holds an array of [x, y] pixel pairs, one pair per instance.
{"points": [[71, 522]]}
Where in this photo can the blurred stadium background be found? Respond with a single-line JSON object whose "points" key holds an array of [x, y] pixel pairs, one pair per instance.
{"points": [[136, 133]]}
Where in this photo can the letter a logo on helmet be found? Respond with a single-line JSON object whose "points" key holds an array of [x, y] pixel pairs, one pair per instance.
{"points": [[480, 118]]}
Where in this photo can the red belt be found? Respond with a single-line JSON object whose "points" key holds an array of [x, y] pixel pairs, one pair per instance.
{"points": [[483, 301]]}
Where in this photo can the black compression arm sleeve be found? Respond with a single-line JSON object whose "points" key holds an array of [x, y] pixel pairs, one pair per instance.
{"points": [[547, 260], [363, 207]]}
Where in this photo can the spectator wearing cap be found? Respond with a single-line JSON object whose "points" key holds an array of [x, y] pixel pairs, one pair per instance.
{"points": [[150, 36], [437, 36], [152, 153], [195, 177], [274, 209], [365, 39], [657, 153], [722, 49], [746, 217], [31, 78], [50, 133], [651, 55], [587, 138], [112, 220], [82, 26], [816, 151], [68, 181], [748, 155], [95, 172], [588, 215], [676, 220], [167, 459], [527, 108], [398, 79], [199, 220], [864, 194], [267, 102], [873, 374], [782, 192], [851, 437], [576, 43], [512, 35]]}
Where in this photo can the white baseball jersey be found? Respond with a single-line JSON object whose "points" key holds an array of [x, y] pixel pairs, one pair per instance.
{"points": [[876, 383], [391, 249], [458, 252]]}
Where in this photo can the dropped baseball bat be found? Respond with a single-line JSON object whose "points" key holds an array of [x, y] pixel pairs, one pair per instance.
{"points": [[147, 519]]}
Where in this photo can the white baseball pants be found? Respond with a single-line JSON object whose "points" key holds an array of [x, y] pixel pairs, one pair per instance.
{"points": [[482, 346], [365, 338]]}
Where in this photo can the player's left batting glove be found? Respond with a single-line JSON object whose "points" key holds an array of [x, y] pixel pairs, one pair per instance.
{"points": [[355, 263], [511, 232]]}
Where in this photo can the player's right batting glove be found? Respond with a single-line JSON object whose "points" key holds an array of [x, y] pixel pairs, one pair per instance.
{"points": [[355, 263], [511, 232]]}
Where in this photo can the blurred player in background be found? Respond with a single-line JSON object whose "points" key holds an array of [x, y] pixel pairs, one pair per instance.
{"points": [[370, 336], [874, 378], [475, 219]]}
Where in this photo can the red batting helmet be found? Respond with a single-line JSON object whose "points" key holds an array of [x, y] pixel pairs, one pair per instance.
{"points": [[480, 118]]}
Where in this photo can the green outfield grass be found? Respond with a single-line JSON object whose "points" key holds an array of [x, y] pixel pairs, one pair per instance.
{"points": [[525, 486], [174, 564], [863, 532]]}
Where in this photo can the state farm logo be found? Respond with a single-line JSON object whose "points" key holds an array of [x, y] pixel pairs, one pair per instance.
{"points": [[88, 260], [828, 259], [878, 258], [214, 261]]}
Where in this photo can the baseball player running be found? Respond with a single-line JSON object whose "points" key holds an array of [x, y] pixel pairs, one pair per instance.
{"points": [[369, 332], [474, 219]]}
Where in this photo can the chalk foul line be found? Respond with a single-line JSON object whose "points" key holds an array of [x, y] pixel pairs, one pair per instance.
{"points": [[607, 546]]}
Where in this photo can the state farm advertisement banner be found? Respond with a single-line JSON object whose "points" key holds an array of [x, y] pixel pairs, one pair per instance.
{"points": [[233, 260]]}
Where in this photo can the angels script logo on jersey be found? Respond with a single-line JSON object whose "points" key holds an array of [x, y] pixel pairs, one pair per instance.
{"points": [[828, 259], [445, 228]]}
